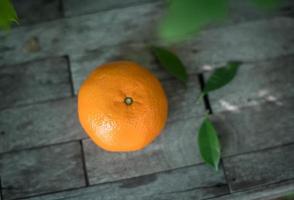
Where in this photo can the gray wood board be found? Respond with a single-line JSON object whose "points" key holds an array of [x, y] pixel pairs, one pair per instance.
{"points": [[270, 191], [39, 124], [175, 147], [200, 179], [76, 7], [56, 121], [239, 10], [251, 41], [43, 170], [263, 167], [255, 128], [83, 64], [34, 81], [32, 11], [79, 33], [256, 82], [264, 38]]}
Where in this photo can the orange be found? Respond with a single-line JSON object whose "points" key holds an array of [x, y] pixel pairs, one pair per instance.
{"points": [[122, 106]]}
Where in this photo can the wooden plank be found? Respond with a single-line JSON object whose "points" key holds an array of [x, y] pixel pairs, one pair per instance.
{"points": [[95, 31], [32, 11], [202, 180], [175, 147], [82, 64], [37, 171], [272, 81], [182, 100], [34, 81], [270, 191], [38, 125], [60, 123], [256, 127], [76, 7], [215, 47], [80, 33], [240, 11], [263, 167]]}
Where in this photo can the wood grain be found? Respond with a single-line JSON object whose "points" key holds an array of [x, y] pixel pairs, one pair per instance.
{"points": [[264, 39], [55, 122], [34, 81], [257, 82], [175, 147], [202, 53], [270, 191], [240, 10], [76, 7], [255, 128], [43, 10], [263, 167], [37, 171], [82, 64], [81, 33], [39, 124], [200, 179]]}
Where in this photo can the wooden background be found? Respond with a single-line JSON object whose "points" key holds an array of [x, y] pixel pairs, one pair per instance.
{"points": [[45, 155]]}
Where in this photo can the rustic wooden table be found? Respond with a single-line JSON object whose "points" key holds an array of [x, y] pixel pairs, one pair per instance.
{"points": [[45, 155]]}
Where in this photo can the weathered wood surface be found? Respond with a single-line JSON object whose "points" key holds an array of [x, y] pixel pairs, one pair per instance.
{"points": [[41, 170], [242, 131], [262, 167], [76, 7], [270, 191], [257, 127], [264, 38], [80, 33], [82, 64], [256, 82], [39, 124], [175, 147], [34, 81], [254, 132], [200, 179], [32, 11], [56, 121], [239, 10]]}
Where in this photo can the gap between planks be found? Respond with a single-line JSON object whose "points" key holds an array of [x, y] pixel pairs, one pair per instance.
{"points": [[68, 63], [84, 164], [1, 192]]}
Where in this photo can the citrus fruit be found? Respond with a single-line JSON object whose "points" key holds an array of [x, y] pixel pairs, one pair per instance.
{"points": [[122, 106]]}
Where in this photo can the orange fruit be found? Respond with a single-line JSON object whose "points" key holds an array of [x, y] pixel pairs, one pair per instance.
{"points": [[122, 106]]}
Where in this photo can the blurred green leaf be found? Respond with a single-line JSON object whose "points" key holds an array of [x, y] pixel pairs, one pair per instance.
{"points": [[186, 17], [267, 4], [221, 76], [7, 14], [170, 62], [208, 143], [289, 196]]}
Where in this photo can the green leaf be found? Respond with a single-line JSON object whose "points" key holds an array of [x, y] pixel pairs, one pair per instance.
{"points": [[186, 17], [170, 62], [267, 4], [209, 144], [221, 77], [7, 14]]}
